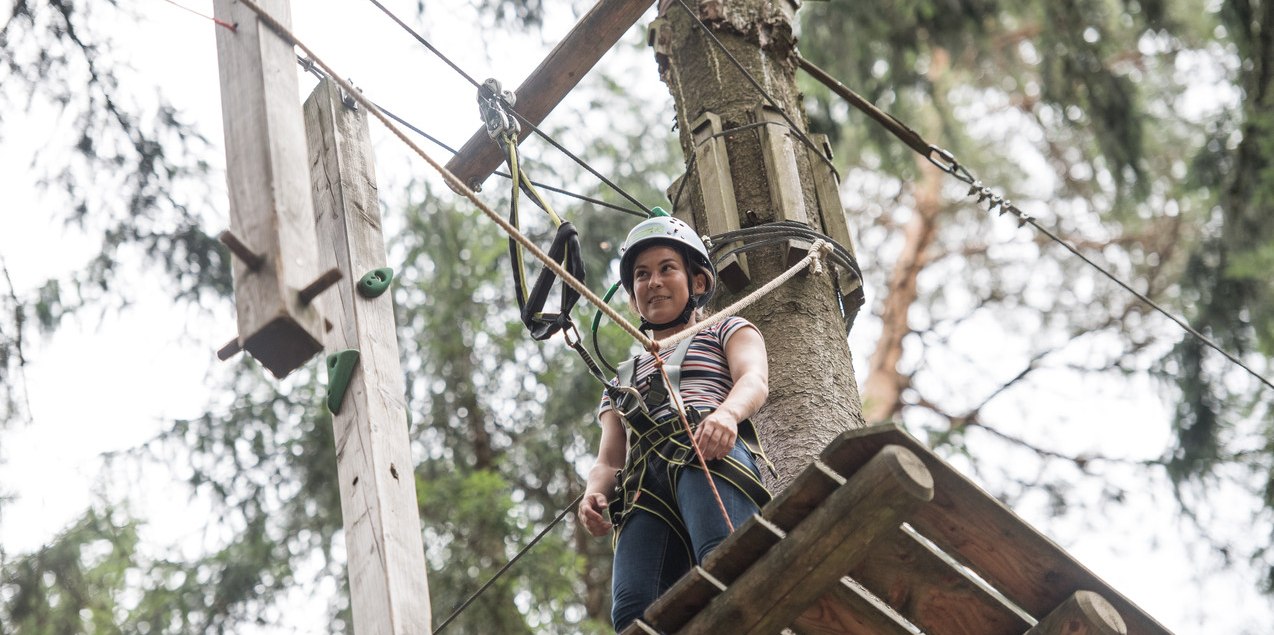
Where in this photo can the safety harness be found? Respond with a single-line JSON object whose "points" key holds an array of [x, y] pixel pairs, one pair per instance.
{"points": [[658, 449]]}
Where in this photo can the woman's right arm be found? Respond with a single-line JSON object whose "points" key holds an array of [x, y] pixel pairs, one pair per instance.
{"points": [[601, 478]]}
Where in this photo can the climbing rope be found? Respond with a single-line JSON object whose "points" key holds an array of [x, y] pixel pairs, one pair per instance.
{"points": [[812, 259], [451, 179], [310, 67]]}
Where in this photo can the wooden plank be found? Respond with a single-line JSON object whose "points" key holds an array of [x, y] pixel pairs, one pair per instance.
{"points": [[831, 209], [716, 186], [814, 556], [805, 493], [546, 86], [787, 196], [848, 609], [1084, 613], [966, 522], [742, 548], [729, 560], [638, 627], [683, 600], [271, 213], [929, 592], [388, 589]]}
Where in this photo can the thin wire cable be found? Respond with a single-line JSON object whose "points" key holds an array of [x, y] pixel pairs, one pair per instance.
{"points": [[518, 556], [309, 67], [543, 135], [454, 182], [217, 21], [420, 38], [946, 161], [752, 80]]}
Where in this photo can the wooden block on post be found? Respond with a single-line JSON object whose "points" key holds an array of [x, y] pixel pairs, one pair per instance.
{"points": [[1084, 613], [784, 178], [830, 208], [271, 212], [712, 165], [389, 592]]}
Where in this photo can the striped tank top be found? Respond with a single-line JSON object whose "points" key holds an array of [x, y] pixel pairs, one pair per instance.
{"points": [[705, 372]]}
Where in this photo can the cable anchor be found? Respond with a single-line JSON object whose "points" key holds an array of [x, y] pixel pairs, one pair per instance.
{"points": [[494, 105]]}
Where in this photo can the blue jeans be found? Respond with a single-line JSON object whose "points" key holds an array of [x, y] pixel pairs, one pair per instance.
{"points": [[650, 557]]}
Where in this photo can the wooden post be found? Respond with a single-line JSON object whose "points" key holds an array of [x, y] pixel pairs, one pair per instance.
{"points": [[271, 213], [388, 588]]}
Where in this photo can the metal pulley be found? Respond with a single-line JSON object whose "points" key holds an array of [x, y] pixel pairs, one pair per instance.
{"points": [[494, 105]]}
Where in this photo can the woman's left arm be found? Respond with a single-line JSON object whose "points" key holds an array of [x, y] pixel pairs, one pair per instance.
{"points": [[750, 370]]}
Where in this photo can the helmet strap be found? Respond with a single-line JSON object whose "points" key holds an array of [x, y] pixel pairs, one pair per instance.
{"points": [[677, 321]]}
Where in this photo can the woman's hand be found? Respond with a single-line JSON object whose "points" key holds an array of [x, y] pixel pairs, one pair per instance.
{"points": [[591, 516], [716, 434]]}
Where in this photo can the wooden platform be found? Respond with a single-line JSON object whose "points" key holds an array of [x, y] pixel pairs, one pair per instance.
{"points": [[879, 535]]}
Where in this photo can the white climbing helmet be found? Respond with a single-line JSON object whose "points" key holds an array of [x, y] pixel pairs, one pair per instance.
{"points": [[674, 232]]}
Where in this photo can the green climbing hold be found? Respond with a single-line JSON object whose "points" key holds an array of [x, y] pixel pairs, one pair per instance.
{"points": [[375, 282], [340, 368]]}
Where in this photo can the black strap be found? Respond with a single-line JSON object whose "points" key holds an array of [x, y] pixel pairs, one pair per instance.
{"points": [[566, 252], [677, 321]]}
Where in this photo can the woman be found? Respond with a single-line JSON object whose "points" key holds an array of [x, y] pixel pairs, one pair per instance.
{"points": [[665, 516]]}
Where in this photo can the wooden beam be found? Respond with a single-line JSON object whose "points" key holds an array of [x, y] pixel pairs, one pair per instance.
{"points": [[546, 86], [683, 600], [908, 575], [1084, 613], [271, 212], [966, 522], [388, 589], [814, 556]]}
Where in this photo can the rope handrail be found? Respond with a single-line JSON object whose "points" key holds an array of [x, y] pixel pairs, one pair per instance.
{"points": [[819, 249]]}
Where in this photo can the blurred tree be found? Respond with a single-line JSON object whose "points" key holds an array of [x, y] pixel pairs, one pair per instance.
{"points": [[1085, 115]]}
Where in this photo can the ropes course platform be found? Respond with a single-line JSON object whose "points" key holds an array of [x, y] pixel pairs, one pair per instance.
{"points": [[881, 536]]}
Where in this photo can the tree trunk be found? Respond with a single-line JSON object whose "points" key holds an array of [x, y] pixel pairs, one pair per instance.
{"points": [[813, 393]]}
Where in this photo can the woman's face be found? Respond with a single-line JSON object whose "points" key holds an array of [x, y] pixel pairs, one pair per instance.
{"points": [[659, 284]]}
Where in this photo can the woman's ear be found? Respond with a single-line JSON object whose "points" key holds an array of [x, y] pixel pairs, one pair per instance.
{"points": [[701, 282]]}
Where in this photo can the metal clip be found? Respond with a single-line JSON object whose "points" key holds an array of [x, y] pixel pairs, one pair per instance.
{"points": [[493, 105]]}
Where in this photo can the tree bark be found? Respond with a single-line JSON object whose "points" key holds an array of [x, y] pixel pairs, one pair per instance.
{"points": [[813, 392]]}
